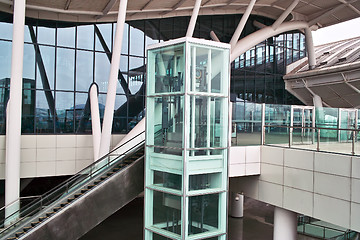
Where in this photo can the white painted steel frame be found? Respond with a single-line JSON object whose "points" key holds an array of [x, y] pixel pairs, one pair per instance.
{"points": [[113, 79], [13, 126], [95, 120], [241, 24]]}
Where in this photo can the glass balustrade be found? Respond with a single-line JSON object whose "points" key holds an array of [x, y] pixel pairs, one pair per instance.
{"points": [[302, 127]]}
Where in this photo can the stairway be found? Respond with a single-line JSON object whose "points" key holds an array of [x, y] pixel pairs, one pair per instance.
{"points": [[83, 201]]}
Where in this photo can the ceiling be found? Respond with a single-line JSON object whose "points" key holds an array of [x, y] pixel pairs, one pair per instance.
{"points": [[333, 11]]}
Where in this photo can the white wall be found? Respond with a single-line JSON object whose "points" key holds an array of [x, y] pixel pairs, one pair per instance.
{"points": [[53, 155], [244, 161], [322, 185]]}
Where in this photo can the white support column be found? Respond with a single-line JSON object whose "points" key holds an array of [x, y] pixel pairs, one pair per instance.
{"points": [[284, 15], [195, 13], [214, 37], [285, 223], [113, 78], [13, 134], [310, 48], [241, 24], [257, 37], [95, 120]]}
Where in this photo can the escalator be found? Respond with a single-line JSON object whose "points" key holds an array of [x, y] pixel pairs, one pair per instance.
{"points": [[80, 203]]}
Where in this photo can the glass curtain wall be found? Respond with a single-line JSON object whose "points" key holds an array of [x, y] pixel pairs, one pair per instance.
{"points": [[62, 60]]}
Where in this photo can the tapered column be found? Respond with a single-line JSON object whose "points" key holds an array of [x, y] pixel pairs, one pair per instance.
{"points": [[285, 223], [95, 120], [13, 133], [310, 48], [113, 78]]}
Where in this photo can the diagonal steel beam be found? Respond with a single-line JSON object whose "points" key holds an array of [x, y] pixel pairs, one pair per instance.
{"points": [[67, 4], [123, 82], [108, 6]]}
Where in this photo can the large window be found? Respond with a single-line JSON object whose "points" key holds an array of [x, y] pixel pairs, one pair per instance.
{"points": [[62, 60]]}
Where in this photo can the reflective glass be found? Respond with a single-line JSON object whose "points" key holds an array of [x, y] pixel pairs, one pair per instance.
{"points": [[66, 37], [47, 54], [167, 122], [203, 213], [277, 116], [136, 42], [29, 62], [82, 118], [167, 212], [166, 69], [167, 180], [102, 71], [205, 181], [105, 31], [136, 81], [6, 30], [85, 37], [207, 69], [84, 73], [136, 63], [124, 63], [27, 36], [207, 122], [44, 119], [246, 124], [46, 35], [125, 41], [65, 112], [65, 64], [5, 59], [28, 107]]}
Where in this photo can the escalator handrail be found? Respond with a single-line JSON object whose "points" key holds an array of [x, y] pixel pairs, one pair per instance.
{"points": [[73, 179]]}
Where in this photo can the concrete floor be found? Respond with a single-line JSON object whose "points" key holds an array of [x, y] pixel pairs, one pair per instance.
{"points": [[127, 223]]}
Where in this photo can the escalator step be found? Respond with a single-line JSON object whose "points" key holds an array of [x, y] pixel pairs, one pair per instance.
{"points": [[42, 218], [11, 238], [116, 169], [18, 234], [57, 208], [49, 213], [78, 195], [63, 204], [70, 199], [27, 228], [84, 190], [91, 186], [34, 223], [110, 173], [103, 177], [97, 182]]}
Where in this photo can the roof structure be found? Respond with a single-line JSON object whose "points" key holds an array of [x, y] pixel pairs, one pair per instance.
{"points": [[336, 77], [319, 13]]}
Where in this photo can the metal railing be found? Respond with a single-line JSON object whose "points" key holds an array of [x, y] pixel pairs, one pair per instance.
{"points": [[311, 227], [21, 216], [317, 137]]}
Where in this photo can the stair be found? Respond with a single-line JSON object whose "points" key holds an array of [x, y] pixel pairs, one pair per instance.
{"points": [[55, 211]]}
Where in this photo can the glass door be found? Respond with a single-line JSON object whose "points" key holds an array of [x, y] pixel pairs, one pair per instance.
{"points": [[302, 123]]}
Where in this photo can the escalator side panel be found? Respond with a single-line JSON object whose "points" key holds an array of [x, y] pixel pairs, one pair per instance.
{"points": [[100, 203]]}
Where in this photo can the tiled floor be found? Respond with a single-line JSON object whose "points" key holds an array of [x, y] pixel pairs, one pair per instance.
{"points": [[127, 223]]}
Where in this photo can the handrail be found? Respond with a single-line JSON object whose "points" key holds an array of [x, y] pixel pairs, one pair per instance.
{"points": [[66, 185], [341, 232], [18, 199], [354, 132], [314, 128]]}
